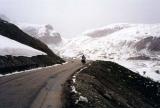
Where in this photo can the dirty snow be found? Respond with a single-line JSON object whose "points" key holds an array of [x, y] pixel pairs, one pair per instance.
{"points": [[81, 99], [73, 89], [74, 80]]}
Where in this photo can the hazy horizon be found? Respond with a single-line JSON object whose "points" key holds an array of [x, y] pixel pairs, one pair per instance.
{"points": [[72, 17]]}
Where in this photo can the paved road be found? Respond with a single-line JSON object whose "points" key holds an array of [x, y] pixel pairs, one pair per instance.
{"points": [[36, 89]]}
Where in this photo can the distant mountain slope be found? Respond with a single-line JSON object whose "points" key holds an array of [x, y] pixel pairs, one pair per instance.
{"points": [[104, 31], [117, 41]]}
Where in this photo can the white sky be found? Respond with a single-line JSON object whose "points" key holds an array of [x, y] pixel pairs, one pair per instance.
{"points": [[71, 17]]}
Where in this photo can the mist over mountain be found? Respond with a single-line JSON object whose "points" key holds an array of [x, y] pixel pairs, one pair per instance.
{"points": [[45, 33], [4, 17]]}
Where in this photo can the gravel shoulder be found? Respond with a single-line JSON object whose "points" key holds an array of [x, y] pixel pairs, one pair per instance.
{"points": [[105, 84]]}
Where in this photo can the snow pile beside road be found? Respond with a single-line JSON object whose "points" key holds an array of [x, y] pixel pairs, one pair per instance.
{"points": [[73, 88]]}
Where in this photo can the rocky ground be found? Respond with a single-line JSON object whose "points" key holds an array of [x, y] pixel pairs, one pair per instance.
{"points": [[10, 63], [105, 84]]}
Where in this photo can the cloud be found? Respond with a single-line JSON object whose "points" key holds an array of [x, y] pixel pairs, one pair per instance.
{"points": [[71, 17]]}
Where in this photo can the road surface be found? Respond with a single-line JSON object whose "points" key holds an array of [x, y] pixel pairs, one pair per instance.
{"points": [[36, 89]]}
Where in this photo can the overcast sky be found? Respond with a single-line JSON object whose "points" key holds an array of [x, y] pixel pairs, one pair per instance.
{"points": [[71, 17]]}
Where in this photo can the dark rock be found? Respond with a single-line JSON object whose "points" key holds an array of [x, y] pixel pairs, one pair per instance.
{"points": [[140, 58], [9, 64], [113, 89], [151, 43]]}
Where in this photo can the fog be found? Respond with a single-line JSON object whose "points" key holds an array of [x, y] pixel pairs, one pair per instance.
{"points": [[71, 17]]}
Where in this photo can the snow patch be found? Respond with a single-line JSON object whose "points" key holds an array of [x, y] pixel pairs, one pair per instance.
{"points": [[73, 89], [14, 48], [74, 80], [81, 99]]}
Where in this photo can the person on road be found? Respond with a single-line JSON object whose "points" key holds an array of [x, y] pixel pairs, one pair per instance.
{"points": [[83, 59]]}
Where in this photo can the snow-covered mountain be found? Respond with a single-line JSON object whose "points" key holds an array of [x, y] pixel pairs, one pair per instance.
{"points": [[14, 48], [45, 33], [135, 46], [118, 41]]}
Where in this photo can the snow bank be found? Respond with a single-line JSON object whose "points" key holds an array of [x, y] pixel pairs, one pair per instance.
{"points": [[73, 87], [14, 48]]}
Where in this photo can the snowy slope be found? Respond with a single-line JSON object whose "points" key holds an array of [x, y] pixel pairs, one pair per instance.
{"points": [[100, 32], [120, 44], [135, 46], [14, 48]]}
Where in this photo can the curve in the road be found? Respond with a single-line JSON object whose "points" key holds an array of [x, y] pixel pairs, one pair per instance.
{"points": [[26, 90]]}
